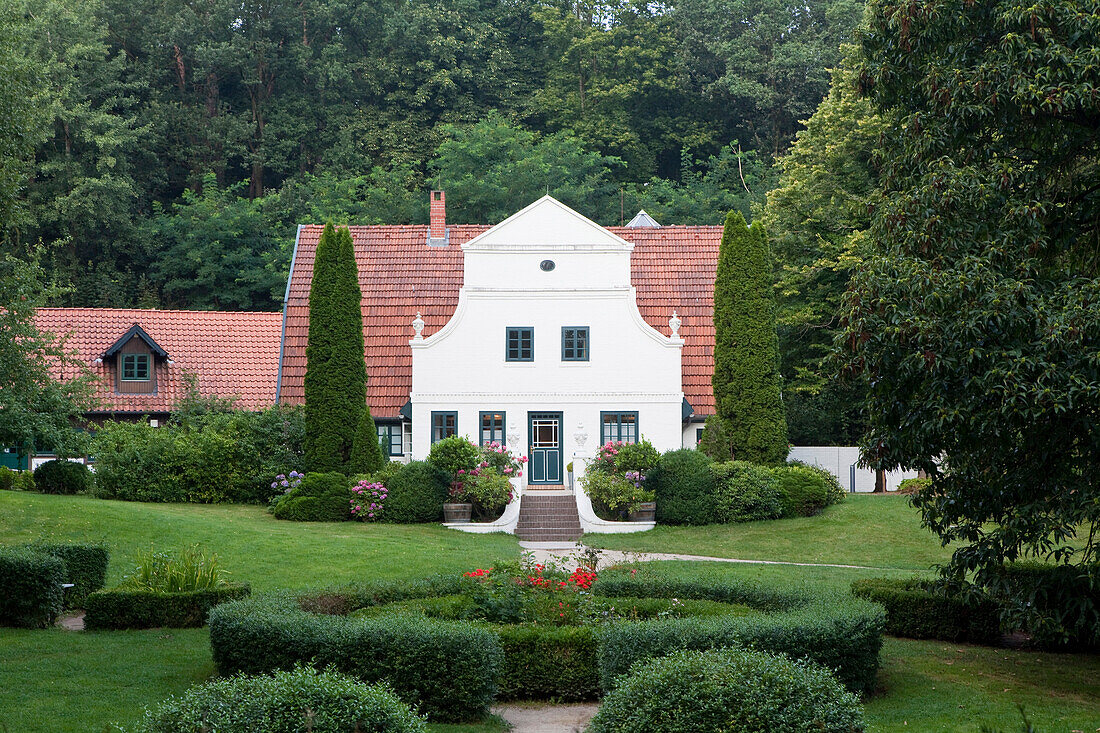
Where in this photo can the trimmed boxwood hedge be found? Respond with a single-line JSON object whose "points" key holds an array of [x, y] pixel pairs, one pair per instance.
{"points": [[549, 662], [30, 587], [837, 631], [85, 568], [916, 611], [122, 608], [448, 668]]}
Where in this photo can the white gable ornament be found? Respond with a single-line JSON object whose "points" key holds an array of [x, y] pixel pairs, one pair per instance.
{"points": [[418, 326]]}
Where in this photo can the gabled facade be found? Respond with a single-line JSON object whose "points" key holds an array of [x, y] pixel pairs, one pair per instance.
{"points": [[546, 331]]}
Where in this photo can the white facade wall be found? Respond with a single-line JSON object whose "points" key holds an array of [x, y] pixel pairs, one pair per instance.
{"points": [[631, 367]]}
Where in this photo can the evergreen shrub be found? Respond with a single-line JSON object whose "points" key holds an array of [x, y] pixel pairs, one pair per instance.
{"points": [[416, 494], [62, 477], [917, 610], [841, 633], [135, 608], [802, 492], [7, 478], [731, 690], [549, 662], [24, 481], [835, 490], [684, 486], [85, 568], [745, 492], [1059, 605], [284, 702], [449, 668], [31, 595], [913, 485], [321, 497], [453, 454]]}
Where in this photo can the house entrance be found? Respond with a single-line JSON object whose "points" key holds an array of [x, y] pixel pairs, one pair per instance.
{"points": [[544, 447]]}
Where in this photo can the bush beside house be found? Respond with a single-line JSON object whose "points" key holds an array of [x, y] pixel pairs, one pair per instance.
{"points": [[320, 497], [62, 477]]}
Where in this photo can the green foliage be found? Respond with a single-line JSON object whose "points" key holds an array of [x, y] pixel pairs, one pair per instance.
{"points": [[7, 478], [20, 125], [141, 608], [746, 358], [453, 454], [976, 315], [802, 492], [201, 456], [684, 488], [835, 491], [557, 662], [833, 630], [1057, 604], [30, 587], [614, 494], [914, 485], [174, 572], [85, 568], [730, 690], [284, 702], [416, 494], [23, 481], [366, 450], [715, 444], [336, 375], [490, 492], [448, 668], [321, 497], [60, 476], [745, 492], [916, 609]]}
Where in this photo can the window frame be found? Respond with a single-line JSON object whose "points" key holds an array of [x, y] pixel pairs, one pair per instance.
{"points": [[587, 342], [145, 359], [519, 331], [604, 439], [481, 426], [443, 415], [392, 430]]}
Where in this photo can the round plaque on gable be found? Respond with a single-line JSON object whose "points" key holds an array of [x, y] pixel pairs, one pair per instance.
{"points": [[546, 265]]}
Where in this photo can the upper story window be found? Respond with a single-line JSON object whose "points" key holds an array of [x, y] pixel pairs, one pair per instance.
{"points": [[390, 439], [574, 343], [444, 425], [519, 343], [618, 426], [135, 367]]}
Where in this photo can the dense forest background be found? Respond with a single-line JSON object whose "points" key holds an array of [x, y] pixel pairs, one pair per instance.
{"points": [[161, 154]]}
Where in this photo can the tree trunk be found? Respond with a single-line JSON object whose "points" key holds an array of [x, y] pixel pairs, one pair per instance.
{"points": [[880, 481]]}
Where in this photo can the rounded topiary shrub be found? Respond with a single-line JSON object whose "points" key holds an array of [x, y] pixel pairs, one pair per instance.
{"points": [[745, 492], [453, 454], [729, 690], [802, 492], [416, 494], [684, 487], [321, 497], [833, 487], [62, 477], [285, 702]]}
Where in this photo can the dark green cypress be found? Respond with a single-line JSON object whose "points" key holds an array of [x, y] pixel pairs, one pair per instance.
{"points": [[366, 451], [746, 350], [336, 374]]}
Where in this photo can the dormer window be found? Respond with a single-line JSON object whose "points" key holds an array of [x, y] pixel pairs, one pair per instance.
{"points": [[135, 367]]}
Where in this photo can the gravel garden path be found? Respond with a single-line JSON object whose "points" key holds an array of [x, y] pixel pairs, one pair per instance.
{"points": [[558, 551], [546, 718]]}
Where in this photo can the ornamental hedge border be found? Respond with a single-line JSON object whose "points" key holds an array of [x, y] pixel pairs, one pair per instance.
{"points": [[448, 668], [122, 608], [916, 611], [30, 587], [841, 633], [85, 568]]}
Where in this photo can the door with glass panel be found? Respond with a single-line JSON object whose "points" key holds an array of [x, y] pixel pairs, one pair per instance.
{"points": [[544, 448]]}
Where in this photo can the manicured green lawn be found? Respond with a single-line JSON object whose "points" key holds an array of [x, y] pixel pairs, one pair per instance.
{"points": [[252, 545], [67, 682], [876, 530]]}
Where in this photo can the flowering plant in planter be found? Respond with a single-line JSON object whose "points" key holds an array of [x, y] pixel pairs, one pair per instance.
{"points": [[368, 500], [487, 483], [615, 480]]}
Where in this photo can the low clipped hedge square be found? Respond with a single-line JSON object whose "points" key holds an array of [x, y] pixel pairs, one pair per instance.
{"points": [[916, 611], [30, 587], [122, 608], [85, 568], [549, 663], [450, 669]]}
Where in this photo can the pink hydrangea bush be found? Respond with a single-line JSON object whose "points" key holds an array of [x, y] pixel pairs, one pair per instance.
{"points": [[368, 500]]}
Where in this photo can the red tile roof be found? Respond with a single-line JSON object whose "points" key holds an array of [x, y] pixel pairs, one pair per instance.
{"points": [[232, 354], [671, 267]]}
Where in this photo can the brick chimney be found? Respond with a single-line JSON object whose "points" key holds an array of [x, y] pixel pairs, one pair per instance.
{"points": [[437, 229]]}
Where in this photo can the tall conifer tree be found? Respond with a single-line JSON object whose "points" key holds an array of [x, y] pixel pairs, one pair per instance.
{"points": [[336, 374], [746, 350]]}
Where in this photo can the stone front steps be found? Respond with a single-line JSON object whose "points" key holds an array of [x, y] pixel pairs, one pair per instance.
{"points": [[548, 514]]}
